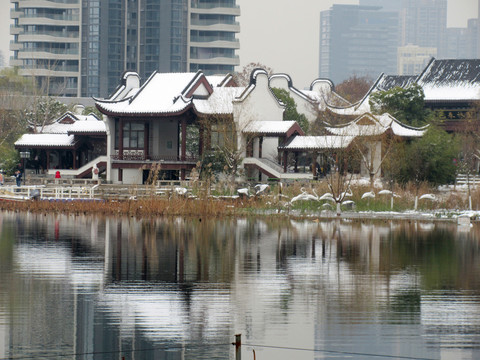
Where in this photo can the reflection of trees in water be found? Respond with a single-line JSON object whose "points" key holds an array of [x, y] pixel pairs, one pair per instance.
{"points": [[269, 270], [442, 260]]}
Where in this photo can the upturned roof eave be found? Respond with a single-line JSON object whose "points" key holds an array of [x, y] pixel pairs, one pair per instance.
{"points": [[144, 114]]}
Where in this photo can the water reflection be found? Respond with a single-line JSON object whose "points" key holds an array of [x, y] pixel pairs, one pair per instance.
{"points": [[105, 288]]}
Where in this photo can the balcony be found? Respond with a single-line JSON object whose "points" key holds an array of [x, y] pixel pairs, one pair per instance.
{"points": [[54, 34], [54, 54], [45, 3], [216, 60], [138, 156], [230, 4], [15, 30], [54, 20], [215, 25], [219, 44]]}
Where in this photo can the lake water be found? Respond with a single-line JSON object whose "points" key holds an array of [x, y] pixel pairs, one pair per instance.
{"points": [[86, 287]]}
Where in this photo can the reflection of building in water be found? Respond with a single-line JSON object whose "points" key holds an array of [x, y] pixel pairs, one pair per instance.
{"points": [[163, 282]]}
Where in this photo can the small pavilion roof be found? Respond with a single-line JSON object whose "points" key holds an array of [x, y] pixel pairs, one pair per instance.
{"points": [[45, 141], [309, 143], [274, 128], [68, 121], [60, 134], [373, 125]]}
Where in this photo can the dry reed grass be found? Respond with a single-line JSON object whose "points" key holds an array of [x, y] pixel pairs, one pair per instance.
{"points": [[277, 198], [138, 208]]}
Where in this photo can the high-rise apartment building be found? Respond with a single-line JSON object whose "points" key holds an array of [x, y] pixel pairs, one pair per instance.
{"points": [[46, 43], [357, 40], [212, 42], [82, 47]]}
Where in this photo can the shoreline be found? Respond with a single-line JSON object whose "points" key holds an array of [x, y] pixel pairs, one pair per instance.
{"points": [[214, 208]]}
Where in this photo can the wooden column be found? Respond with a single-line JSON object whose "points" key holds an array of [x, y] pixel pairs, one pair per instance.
{"points": [[120, 139], [296, 162], [48, 159], [146, 145], [200, 139], [260, 144], [285, 161], [208, 138], [184, 140], [314, 164], [250, 147], [74, 159]]}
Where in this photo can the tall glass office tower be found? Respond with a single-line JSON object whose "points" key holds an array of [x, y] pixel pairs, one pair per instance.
{"points": [[357, 40], [82, 47]]}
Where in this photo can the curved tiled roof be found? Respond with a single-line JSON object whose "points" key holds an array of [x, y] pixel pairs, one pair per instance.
{"points": [[172, 94], [373, 125], [451, 79]]}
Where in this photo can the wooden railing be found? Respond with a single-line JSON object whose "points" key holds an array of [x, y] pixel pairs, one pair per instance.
{"points": [[154, 158]]}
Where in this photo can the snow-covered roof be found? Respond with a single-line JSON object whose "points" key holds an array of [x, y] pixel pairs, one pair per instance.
{"points": [[61, 132], [174, 93], [55, 128], [387, 82], [162, 93], [271, 127], [451, 79], [318, 142], [219, 102], [68, 121], [373, 125], [89, 126], [45, 140]]}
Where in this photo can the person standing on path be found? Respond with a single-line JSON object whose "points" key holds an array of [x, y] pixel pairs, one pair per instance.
{"points": [[18, 177], [57, 176]]}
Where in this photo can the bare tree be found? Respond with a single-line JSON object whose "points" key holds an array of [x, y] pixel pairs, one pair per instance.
{"points": [[467, 128], [340, 159], [354, 88]]}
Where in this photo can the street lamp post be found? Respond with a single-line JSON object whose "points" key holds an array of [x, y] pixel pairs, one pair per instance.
{"points": [[24, 155]]}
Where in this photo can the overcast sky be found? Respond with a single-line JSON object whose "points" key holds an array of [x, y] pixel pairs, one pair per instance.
{"points": [[282, 34]]}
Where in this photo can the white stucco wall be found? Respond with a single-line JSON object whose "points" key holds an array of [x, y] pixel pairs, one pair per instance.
{"points": [[321, 89], [130, 176], [259, 105], [270, 148]]}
